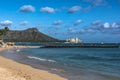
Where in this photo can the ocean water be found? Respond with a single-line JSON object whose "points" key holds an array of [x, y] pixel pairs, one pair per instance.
{"points": [[77, 63], [72, 63]]}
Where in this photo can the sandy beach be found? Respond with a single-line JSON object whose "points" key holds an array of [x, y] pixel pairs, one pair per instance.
{"points": [[11, 70]]}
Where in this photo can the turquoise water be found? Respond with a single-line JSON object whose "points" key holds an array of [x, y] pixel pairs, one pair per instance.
{"points": [[97, 63]]}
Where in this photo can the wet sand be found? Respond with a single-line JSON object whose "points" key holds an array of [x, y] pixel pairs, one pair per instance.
{"points": [[11, 70]]}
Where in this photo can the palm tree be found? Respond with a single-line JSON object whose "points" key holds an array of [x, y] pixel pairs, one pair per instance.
{"points": [[6, 29], [3, 32]]}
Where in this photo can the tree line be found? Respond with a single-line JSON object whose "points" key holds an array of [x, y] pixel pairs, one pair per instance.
{"points": [[3, 31]]}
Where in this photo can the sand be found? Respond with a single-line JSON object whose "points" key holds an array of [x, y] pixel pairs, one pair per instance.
{"points": [[12, 70]]}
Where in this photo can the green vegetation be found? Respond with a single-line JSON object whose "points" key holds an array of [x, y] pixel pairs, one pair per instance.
{"points": [[3, 32], [28, 35]]}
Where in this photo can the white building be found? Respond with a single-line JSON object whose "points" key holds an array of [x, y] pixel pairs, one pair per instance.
{"points": [[74, 40]]}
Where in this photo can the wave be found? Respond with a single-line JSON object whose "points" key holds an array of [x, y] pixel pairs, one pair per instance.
{"points": [[40, 59]]}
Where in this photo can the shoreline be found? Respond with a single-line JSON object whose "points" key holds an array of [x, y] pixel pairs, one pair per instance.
{"points": [[18, 71]]}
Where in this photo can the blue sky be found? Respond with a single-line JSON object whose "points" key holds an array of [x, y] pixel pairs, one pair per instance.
{"points": [[90, 20]]}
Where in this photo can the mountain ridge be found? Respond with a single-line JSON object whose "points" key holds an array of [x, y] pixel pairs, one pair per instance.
{"points": [[28, 35]]}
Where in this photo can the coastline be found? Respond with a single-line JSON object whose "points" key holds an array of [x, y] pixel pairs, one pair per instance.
{"points": [[17, 71]]}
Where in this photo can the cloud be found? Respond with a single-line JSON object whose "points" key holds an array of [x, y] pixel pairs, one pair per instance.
{"points": [[95, 23], [95, 3], [77, 22], [24, 23], [27, 8], [106, 25], [105, 28], [98, 2], [73, 31], [6, 23], [116, 25], [74, 9], [58, 22], [80, 31], [47, 10]]}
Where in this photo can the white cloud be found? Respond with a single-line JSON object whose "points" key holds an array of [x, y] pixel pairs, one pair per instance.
{"points": [[106, 25], [95, 3], [90, 30], [97, 22], [27, 8], [58, 22], [6, 23], [74, 9], [71, 30], [47, 10], [98, 2], [80, 31], [105, 28], [115, 25], [77, 22], [24, 23]]}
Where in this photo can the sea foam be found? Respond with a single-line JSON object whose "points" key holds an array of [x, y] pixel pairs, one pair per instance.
{"points": [[41, 59]]}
